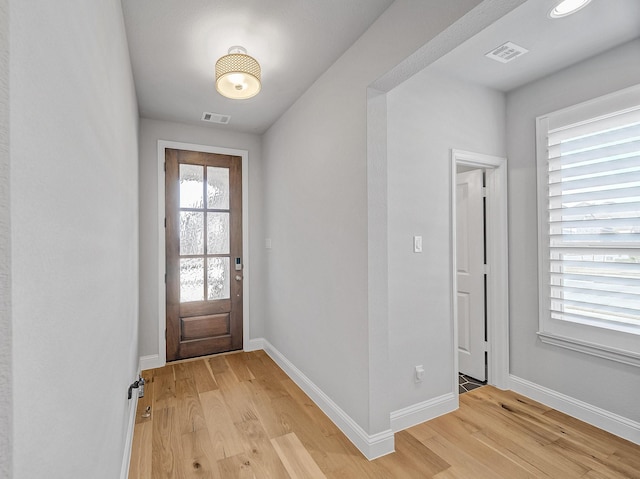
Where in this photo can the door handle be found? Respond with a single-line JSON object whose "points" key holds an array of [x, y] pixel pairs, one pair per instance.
{"points": [[238, 277]]}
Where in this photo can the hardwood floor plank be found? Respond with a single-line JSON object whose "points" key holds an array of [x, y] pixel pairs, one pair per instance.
{"points": [[595, 475], [578, 455], [197, 457], [412, 459], [218, 364], [453, 473], [142, 447], [203, 376], [630, 459], [297, 461], [263, 367], [238, 364], [500, 430], [166, 454], [338, 457], [603, 440], [183, 370], [465, 462], [263, 457], [164, 392], [237, 398], [237, 467], [225, 440], [577, 442], [320, 419], [514, 443], [190, 414], [452, 430]]}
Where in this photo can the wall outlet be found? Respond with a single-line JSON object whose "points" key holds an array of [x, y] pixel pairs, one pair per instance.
{"points": [[419, 373]]}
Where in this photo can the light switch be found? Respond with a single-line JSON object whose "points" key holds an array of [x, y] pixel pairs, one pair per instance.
{"points": [[417, 244]]}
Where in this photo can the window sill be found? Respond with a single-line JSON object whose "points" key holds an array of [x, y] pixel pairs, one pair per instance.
{"points": [[618, 355]]}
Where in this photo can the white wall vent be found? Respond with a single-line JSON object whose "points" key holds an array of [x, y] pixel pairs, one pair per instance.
{"points": [[506, 52], [216, 118]]}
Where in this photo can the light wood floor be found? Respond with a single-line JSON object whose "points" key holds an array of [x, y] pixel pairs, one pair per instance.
{"points": [[239, 416]]}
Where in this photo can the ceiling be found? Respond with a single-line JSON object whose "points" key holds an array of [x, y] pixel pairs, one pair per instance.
{"points": [[552, 43], [174, 45]]}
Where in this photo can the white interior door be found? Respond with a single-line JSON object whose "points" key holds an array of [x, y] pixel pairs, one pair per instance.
{"points": [[470, 274]]}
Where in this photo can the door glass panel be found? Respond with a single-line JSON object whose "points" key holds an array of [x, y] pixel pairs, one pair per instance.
{"points": [[217, 188], [217, 233], [218, 278], [191, 279], [191, 232], [191, 186]]}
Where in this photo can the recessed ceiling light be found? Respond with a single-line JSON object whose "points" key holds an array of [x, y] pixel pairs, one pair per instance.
{"points": [[567, 7]]}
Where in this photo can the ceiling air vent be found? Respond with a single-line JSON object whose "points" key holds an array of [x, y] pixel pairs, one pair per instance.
{"points": [[506, 52], [216, 118]]}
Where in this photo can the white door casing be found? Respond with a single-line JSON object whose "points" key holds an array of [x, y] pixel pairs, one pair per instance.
{"points": [[470, 274], [497, 254]]}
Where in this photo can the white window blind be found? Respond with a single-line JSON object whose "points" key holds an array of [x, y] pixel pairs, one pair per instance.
{"points": [[593, 220]]}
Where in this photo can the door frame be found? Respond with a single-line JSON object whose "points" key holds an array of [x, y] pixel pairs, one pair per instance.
{"points": [[497, 264], [162, 294]]}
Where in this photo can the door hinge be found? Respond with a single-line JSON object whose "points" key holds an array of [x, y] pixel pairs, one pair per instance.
{"points": [[165, 278], [165, 222], [486, 345], [485, 268], [165, 334], [165, 166], [484, 191]]}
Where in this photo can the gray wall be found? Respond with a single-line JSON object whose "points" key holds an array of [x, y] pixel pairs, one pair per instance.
{"points": [[428, 115], [74, 196], [609, 385], [150, 132], [5, 251], [315, 185]]}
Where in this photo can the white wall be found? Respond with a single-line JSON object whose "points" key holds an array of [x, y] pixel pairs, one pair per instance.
{"points": [[150, 132], [428, 115], [315, 184], [5, 251], [74, 223], [609, 385]]}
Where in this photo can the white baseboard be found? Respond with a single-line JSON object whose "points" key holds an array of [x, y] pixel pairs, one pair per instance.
{"points": [[128, 444], [253, 345], [151, 362], [610, 422], [425, 411], [371, 446]]}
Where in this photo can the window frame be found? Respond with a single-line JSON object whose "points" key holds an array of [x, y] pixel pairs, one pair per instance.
{"points": [[607, 340]]}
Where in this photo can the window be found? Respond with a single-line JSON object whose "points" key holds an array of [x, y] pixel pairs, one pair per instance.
{"points": [[589, 226]]}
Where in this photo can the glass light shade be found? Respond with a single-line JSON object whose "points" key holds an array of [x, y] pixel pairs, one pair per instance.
{"points": [[238, 76], [567, 7]]}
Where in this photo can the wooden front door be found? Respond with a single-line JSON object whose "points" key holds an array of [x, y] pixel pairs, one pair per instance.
{"points": [[203, 253]]}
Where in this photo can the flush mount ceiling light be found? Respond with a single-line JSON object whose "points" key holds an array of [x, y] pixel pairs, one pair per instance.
{"points": [[237, 75], [567, 7]]}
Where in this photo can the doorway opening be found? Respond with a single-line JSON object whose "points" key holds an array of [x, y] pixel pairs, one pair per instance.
{"points": [[160, 360], [479, 268]]}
